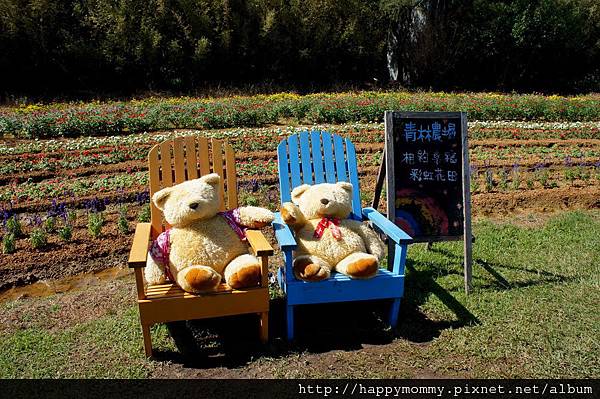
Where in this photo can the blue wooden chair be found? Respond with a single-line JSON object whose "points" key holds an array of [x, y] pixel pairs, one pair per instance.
{"points": [[321, 157]]}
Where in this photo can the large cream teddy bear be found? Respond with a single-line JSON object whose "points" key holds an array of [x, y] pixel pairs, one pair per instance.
{"points": [[327, 240], [203, 245]]}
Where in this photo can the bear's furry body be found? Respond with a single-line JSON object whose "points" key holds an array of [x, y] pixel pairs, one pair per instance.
{"points": [[211, 242]]}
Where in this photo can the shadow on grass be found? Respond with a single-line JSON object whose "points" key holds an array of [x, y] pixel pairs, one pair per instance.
{"points": [[500, 282], [233, 341]]}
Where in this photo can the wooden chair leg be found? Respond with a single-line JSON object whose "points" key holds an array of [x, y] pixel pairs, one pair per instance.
{"points": [[290, 323], [147, 340], [394, 312], [264, 327]]}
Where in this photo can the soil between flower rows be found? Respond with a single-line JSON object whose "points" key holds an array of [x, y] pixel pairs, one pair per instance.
{"points": [[85, 254]]}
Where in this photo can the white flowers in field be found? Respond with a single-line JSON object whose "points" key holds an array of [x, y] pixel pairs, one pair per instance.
{"points": [[534, 125], [84, 143]]}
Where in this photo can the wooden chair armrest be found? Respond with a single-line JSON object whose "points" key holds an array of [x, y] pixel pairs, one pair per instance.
{"points": [[283, 234], [139, 248], [259, 243], [394, 232]]}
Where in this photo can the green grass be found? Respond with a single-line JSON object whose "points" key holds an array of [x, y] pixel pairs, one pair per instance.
{"points": [[534, 309], [109, 347], [533, 313]]}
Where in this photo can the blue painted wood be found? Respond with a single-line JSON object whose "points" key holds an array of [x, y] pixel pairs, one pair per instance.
{"points": [[288, 258], [317, 158], [307, 172], [328, 158], [394, 311], [294, 161], [281, 279], [290, 322], [353, 177], [283, 234], [284, 177], [400, 254], [343, 289], [390, 229], [340, 158], [332, 164]]}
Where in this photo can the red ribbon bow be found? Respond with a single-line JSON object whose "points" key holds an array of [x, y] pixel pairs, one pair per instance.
{"points": [[333, 224]]}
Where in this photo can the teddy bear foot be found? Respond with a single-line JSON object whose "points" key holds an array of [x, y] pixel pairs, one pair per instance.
{"points": [[311, 269], [358, 265], [198, 279], [243, 271]]}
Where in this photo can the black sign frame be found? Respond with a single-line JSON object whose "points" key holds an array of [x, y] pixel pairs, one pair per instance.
{"points": [[388, 167]]}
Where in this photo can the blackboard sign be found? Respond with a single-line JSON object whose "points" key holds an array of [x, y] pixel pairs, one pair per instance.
{"points": [[427, 169], [426, 162]]}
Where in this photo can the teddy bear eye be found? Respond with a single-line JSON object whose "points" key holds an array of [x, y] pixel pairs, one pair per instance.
{"points": [[194, 205]]}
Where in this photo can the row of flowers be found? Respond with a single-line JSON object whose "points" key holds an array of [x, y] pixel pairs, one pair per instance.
{"points": [[30, 192], [71, 120], [253, 139]]}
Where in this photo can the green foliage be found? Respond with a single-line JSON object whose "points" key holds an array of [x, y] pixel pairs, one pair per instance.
{"points": [[9, 243], [13, 226], [95, 223], [118, 117], [516, 179], [38, 238], [122, 223], [503, 184], [543, 176], [66, 232], [71, 216], [133, 44], [50, 224], [144, 214]]}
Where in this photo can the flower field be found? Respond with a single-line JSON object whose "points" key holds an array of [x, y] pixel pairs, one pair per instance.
{"points": [[118, 117], [81, 184]]}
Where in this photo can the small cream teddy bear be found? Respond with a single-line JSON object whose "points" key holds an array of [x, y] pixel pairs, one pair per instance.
{"points": [[203, 245], [327, 240]]}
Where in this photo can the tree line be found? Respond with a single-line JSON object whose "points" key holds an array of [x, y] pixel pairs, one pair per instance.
{"points": [[124, 46]]}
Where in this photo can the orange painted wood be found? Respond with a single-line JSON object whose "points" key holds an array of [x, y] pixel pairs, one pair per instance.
{"points": [[173, 162], [154, 172], [189, 307], [165, 164], [232, 193], [259, 243], [179, 160], [264, 272], [139, 283], [203, 156], [139, 248], [191, 158], [217, 164], [147, 340]]}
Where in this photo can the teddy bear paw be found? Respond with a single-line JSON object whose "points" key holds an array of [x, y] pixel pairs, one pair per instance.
{"points": [[243, 271], [310, 270], [359, 265], [289, 213], [249, 276], [199, 279]]}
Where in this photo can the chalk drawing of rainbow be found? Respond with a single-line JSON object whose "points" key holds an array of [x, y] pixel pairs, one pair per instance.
{"points": [[419, 214]]}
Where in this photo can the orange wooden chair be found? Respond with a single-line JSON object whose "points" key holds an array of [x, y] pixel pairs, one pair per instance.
{"points": [[170, 163]]}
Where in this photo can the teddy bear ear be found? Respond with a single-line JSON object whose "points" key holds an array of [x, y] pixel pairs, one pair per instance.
{"points": [[298, 191], [161, 196], [213, 179], [345, 185]]}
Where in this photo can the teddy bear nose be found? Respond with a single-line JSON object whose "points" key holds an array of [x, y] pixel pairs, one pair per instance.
{"points": [[194, 205], [324, 201]]}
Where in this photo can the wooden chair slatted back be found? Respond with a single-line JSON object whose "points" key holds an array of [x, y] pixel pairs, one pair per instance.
{"points": [[318, 157], [186, 158]]}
